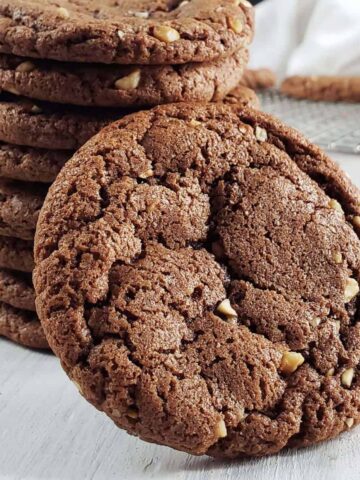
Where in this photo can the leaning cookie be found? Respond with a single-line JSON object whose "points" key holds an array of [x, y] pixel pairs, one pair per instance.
{"points": [[121, 86], [141, 32], [323, 88], [259, 79], [16, 289], [22, 327], [31, 164], [197, 272], [19, 208]]}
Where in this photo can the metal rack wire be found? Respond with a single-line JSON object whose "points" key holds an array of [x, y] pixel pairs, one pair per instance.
{"points": [[332, 126]]}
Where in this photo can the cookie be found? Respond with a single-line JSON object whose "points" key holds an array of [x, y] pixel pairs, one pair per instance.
{"points": [[242, 96], [329, 89], [50, 126], [121, 86], [31, 164], [132, 32], [16, 254], [16, 289], [197, 273], [22, 327], [19, 208], [259, 79]]}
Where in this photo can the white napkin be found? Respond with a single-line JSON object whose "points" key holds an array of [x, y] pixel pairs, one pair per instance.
{"points": [[307, 37]]}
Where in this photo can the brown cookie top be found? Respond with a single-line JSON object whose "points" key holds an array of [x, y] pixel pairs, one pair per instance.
{"points": [[31, 164], [129, 32], [323, 88], [22, 327], [16, 289], [16, 254], [19, 208], [121, 86], [197, 274], [45, 125], [259, 79]]}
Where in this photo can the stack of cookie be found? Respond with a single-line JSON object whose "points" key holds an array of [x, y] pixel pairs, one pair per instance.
{"points": [[67, 70]]}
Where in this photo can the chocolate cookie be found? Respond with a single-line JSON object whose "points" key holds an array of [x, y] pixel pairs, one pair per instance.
{"points": [[197, 273], [242, 96], [16, 254], [31, 164], [19, 208], [16, 289], [329, 89], [129, 32], [121, 86], [22, 327], [259, 79], [45, 125]]}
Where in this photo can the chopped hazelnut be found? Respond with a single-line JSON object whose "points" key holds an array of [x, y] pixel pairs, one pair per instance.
{"points": [[330, 372], [337, 326], [337, 257], [194, 123], [356, 221], [236, 24], [78, 387], [166, 34], [349, 422], [347, 377], [35, 109], [141, 14], [132, 413], [148, 173], [129, 82], [351, 289], [243, 2], [220, 429], [63, 12], [183, 3], [290, 362], [226, 309], [315, 322], [120, 34], [25, 67], [260, 134], [13, 91], [335, 205]]}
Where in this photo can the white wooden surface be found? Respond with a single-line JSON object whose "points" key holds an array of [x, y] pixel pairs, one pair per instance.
{"points": [[49, 432]]}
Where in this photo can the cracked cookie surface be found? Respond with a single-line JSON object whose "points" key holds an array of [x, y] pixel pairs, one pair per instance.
{"points": [[121, 86], [197, 272], [127, 32]]}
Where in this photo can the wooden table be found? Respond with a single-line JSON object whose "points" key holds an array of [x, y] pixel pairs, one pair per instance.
{"points": [[49, 432]]}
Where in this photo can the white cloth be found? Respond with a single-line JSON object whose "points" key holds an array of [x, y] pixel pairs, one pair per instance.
{"points": [[307, 37]]}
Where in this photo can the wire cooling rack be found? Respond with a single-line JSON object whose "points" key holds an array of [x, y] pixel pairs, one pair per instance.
{"points": [[332, 126]]}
